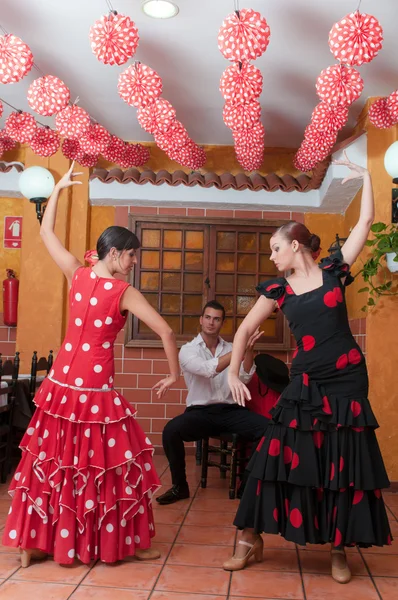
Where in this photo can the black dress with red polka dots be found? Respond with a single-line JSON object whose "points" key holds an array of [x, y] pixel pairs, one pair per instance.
{"points": [[317, 472]]}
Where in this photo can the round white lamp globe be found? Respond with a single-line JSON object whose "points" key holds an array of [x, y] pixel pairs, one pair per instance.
{"points": [[391, 160], [160, 9], [36, 182]]}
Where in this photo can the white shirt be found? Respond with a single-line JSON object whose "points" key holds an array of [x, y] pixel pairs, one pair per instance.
{"points": [[205, 385]]}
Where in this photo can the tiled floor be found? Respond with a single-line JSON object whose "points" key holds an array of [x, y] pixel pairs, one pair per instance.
{"points": [[195, 536]]}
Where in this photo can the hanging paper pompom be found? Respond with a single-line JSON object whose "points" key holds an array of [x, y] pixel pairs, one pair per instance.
{"points": [[130, 156], [45, 141], [72, 150], [320, 142], [95, 140], [304, 160], [380, 115], [1, 149], [16, 59], [339, 85], [8, 143], [88, 160], [176, 136], [20, 126], [139, 85], [114, 39], [241, 116], [144, 155], [114, 150], [250, 137], [48, 95], [244, 35], [1, 109], [392, 104], [72, 122], [157, 117], [329, 117], [241, 82], [356, 39], [250, 156], [191, 155]]}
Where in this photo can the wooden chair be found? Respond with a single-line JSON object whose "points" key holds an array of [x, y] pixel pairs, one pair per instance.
{"points": [[38, 365], [231, 445], [9, 369]]}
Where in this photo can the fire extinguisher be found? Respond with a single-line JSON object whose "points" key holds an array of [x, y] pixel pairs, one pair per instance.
{"points": [[10, 298]]}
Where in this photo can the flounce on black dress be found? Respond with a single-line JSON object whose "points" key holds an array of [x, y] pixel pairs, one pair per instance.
{"points": [[317, 472]]}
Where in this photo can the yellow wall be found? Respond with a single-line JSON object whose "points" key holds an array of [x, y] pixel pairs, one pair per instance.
{"points": [[9, 259]]}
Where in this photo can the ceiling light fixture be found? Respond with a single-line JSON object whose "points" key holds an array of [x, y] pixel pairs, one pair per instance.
{"points": [[160, 9]]}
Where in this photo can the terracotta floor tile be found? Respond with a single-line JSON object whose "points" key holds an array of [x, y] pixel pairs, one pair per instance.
{"points": [[277, 541], [168, 516], [204, 518], [319, 562], [193, 534], [265, 584], [319, 587], [9, 563], [388, 587], [218, 484], [181, 505], [276, 559], [165, 533], [21, 590], [393, 549], [52, 572], [382, 566], [392, 500], [214, 505], [137, 575], [184, 596], [213, 493], [85, 592], [196, 580], [199, 555]]}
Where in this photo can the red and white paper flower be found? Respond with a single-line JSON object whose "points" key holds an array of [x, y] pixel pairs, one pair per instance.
{"points": [[114, 150], [176, 136], [244, 35], [8, 143], [356, 39], [242, 116], [380, 115], [88, 160], [392, 103], [16, 59], [95, 140], [250, 156], [329, 117], [72, 150], [45, 141], [114, 39], [20, 126], [130, 156], [319, 142], [1, 149], [241, 82], [304, 160], [48, 95], [157, 117], [1, 109], [191, 155], [72, 122], [144, 154], [339, 85], [250, 137], [139, 85]]}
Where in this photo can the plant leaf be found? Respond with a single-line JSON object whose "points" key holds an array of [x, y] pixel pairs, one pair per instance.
{"points": [[377, 227], [365, 289]]}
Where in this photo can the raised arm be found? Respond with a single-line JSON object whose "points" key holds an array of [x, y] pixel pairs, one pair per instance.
{"points": [[133, 301], [64, 259], [359, 234], [263, 308]]}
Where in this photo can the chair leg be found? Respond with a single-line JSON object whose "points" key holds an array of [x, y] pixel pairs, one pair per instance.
{"points": [[234, 465], [199, 452], [223, 459], [205, 458]]}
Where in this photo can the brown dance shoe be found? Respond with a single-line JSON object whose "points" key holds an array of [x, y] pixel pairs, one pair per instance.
{"points": [[31, 554], [256, 550], [340, 569], [147, 554]]}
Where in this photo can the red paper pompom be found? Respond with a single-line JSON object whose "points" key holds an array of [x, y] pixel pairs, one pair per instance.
{"points": [[72, 122], [88, 160], [130, 156], [144, 155], [242, 116], [241, 82], [356, 39], [380, 115], [329, 117], [176, 136], [319, 142], [95, 140], [339, 85], [304, 160], [191, 155], [8, 143], [1, 109], [114, 39], [157, 117], [16, 59], [48, 95], [1, 149], [72, 150], [250, 137], [392, 104], [114, 150], [244, 35], [45, 141], [139, 85], [20, 126]]}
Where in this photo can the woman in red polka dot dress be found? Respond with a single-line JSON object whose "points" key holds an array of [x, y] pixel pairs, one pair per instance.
{"points": [[85, 482], [317, 472]]}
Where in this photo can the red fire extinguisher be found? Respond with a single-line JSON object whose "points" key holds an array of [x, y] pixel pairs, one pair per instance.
{"points": [[10, 298]]}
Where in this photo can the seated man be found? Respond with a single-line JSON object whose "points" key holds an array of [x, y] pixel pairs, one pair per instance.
{"points": [[210, 408]]}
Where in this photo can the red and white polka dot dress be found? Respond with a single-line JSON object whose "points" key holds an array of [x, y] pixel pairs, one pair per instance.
{"points": [[85, 482], [317, 472]]}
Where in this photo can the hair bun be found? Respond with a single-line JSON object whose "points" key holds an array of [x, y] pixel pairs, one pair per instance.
{"points": [[314, 242]]}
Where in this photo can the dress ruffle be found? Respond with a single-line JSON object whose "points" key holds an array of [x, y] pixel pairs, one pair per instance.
{"points": [[335, 265]]}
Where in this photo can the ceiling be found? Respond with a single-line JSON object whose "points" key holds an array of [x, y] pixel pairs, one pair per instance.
{"points": [[184, 52]]}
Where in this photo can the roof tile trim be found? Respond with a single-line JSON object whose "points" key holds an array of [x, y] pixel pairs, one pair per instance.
{"points": [[6, 167]]}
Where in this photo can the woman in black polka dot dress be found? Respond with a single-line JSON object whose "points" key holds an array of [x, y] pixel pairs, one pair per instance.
{"points": [[317, 472]]}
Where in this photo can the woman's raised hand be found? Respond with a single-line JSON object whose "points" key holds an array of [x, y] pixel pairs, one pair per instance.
{"points": [[66, 180], [356, 171]]}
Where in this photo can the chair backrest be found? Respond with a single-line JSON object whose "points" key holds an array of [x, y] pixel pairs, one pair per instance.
{"points": [[10, 367], [39, 365]]}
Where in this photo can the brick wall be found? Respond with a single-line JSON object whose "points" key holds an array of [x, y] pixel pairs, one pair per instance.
{"points": [[7, 339]]}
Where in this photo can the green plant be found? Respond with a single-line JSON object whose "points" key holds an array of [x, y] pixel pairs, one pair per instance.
{"points": [[385, 240]]}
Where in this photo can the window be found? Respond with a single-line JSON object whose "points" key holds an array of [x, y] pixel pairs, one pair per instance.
{"points": [[184, 263]]}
